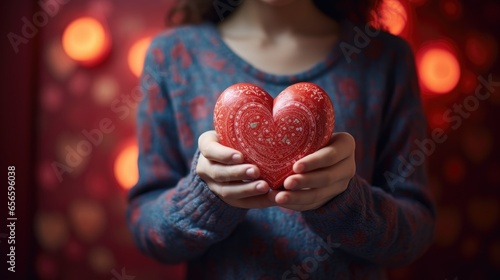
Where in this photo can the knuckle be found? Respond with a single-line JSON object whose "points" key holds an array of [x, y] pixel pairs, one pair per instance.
{"points": [[200, 166], [222, 193], [199, 170], [209, 172], [209, 149], [348, 138], [220, 176], [213, 187], [347, 135], [201, 140], [217, 177]]}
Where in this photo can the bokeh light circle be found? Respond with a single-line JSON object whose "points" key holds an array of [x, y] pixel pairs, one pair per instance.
{"points": [[477, 143], [59, 64], [137, 54], [393, 16], [51, 230], [438, 69], [481, 49], [125, 166], [47, 267], [85, 40], [452, 8], [88, 219], [454, 170], [101, 259], [51, 98], [105, 89], [468, 81]]}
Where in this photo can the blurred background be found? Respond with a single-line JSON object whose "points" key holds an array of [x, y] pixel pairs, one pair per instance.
{"points": [[69, 73]]}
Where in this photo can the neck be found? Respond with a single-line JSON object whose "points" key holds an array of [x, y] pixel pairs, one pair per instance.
{"points": [[300, 17]]}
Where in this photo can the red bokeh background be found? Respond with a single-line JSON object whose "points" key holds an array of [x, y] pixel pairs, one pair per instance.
{"points": [[71, 225]]}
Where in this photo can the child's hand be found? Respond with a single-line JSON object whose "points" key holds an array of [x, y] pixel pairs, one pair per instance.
{"points": [[319, 176], [223, 170]]}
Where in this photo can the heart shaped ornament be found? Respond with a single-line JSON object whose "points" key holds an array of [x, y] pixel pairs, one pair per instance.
{"points": [[274, 134]]}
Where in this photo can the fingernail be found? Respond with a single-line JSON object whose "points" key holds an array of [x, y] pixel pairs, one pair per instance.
{"points": [[237, 158], [251, 172], [285, 199], [300, 168], [261, 188], [292, 185]]}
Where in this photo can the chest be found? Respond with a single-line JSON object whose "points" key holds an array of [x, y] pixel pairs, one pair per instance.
{"points": [[283, 56]]}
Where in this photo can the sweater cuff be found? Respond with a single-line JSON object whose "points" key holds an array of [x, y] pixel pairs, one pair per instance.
{"points": [[343, 207], [199, 205]]}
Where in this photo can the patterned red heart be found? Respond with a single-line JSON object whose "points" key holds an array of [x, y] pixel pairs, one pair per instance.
{"points": [[274, 135]]}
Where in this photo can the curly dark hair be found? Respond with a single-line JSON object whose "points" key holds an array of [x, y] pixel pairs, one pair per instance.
{"points": [[196, 11]]}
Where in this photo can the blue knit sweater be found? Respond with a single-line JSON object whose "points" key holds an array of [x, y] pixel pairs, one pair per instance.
{"points": [[384, 218]]}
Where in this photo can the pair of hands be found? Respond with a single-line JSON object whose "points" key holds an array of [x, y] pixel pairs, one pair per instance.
{"points": [[318, 177]]}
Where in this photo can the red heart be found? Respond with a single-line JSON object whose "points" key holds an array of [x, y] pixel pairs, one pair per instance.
{"points": [[274, 135]]}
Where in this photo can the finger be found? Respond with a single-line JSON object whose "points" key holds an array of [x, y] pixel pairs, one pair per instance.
{"points": [[229, 173], [341, 146], [259, 201], [302, 207], [240, 190], [213, 171], [320, 178], [308, 198], [209, 146]]}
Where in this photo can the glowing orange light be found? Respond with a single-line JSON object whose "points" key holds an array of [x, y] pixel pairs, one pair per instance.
{"points": [[393, 16], [438, 69], [125, 167], [85, 40], [136, 55]]}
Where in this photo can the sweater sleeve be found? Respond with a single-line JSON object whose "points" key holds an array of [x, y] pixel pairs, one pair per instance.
{"points": [[172, 214], [388, 220]]}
